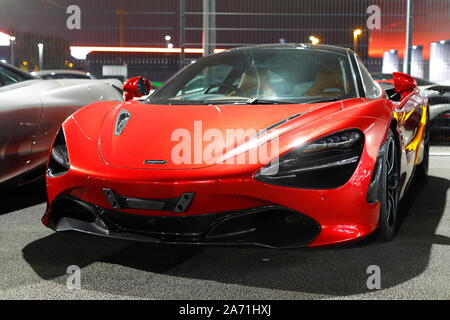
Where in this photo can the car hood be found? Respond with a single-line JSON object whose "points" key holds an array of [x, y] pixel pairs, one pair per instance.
{"points": [[71, 82], [153, 135], [78, 92]]}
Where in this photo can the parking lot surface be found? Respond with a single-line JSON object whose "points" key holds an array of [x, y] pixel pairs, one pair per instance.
{"points": [[415, 265]]}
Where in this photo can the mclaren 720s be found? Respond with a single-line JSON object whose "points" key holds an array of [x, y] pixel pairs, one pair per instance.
{"points": [[282, 146]]}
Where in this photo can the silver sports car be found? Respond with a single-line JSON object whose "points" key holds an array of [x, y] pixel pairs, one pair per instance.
{"points": [[31, 112]]}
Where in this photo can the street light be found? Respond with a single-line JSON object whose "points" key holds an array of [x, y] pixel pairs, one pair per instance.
{"points": [[356, 34], [4, 39], [12, 42], [41, 55], [314, 40], [168, 44], [8, 41]]}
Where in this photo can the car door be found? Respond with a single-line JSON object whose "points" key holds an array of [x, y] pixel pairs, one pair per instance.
{"points": [[409, 115], [20, 112], [410, 112]]}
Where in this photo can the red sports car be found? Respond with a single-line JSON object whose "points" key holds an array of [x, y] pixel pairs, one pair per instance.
{"points": [[335, 153]]}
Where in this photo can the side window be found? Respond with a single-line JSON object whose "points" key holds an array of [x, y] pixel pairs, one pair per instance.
{"points": [[8, 77], [372, 88]]}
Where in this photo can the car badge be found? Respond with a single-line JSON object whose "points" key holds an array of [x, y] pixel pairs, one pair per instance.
{"points": [[155, 161], [121, 122]]}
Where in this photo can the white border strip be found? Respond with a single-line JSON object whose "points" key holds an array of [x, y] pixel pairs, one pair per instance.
{"points": [[435, 153]]}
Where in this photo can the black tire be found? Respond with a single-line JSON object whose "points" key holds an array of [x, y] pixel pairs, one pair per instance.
{"points": [[389, 189], [422, 168]]}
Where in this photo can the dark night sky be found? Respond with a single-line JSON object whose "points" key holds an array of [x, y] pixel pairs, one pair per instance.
{"points": [[332, 20], [294, 20]]}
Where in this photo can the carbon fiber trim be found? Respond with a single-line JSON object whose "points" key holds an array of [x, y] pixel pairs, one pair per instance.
{"points": [[178, 205]]}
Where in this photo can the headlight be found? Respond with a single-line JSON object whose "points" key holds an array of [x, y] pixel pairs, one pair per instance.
{"points": [[326, 163], [59, 157]]}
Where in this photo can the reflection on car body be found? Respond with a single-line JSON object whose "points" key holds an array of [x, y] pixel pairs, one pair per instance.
{"points": [[31, 112]]}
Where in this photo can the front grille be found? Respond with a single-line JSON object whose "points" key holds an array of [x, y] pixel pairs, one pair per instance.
{"points": [[270, 226]]}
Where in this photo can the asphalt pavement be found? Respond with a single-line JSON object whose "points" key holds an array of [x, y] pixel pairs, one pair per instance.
{"points": [[415, 265]]}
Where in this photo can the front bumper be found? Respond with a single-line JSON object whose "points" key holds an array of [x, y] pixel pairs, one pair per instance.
{"points": [[256, 226], [353, 218]]}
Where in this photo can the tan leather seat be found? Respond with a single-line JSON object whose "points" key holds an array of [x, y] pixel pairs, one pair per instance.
{"points": [[249, 84], [328, 77]]}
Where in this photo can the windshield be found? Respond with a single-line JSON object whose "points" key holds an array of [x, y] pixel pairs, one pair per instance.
{"points": [[10, 75], [65, 76], [423, 82], [277, 75]]}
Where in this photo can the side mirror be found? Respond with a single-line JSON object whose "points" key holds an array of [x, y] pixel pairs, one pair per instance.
{"points": [[404, 83], [136, 87]]}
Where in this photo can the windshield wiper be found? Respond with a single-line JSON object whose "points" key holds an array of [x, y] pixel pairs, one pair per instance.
{"points": [[256, 101], [231, 101], [323, 100], [267, 101], [249, 101], [242, 101]]}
